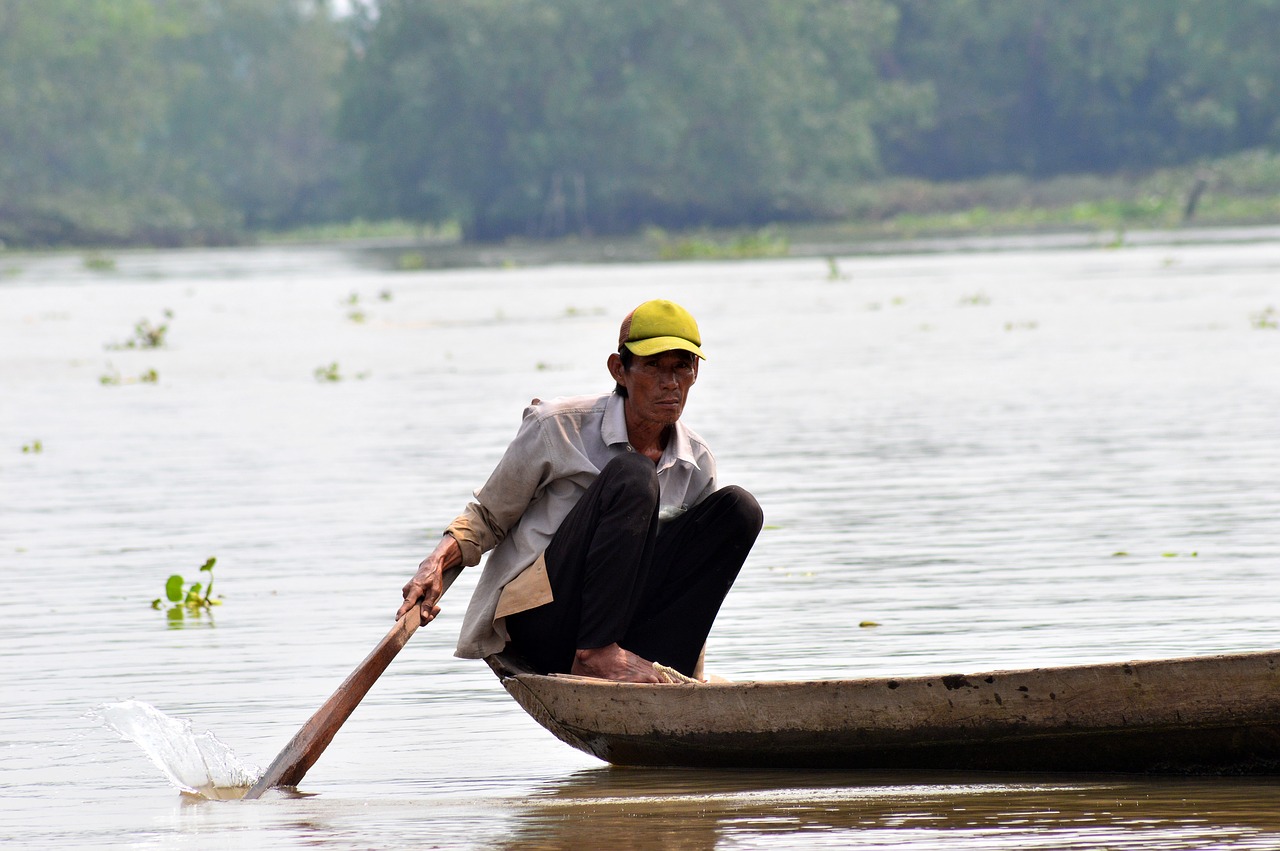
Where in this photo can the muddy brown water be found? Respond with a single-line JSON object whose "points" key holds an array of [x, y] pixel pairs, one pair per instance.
{"points": [[1002, 458]]}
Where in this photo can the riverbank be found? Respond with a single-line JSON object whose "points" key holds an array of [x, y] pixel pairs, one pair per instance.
{"points": [[1228, 198], [1235, 198]]}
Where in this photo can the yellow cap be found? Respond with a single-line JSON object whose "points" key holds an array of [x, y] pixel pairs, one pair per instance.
{"points": [[660, 326]]}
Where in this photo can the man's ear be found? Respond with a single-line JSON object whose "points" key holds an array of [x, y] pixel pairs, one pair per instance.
{"points": [[615, 367]]}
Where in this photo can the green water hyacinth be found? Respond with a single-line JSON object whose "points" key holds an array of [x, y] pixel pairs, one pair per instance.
{"points": [[194, 598]]}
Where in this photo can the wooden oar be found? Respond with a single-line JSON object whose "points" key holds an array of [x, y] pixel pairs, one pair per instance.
{"points": [[308, 743]]}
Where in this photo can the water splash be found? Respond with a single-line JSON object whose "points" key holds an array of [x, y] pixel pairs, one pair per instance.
{"points": [[196, 763]]}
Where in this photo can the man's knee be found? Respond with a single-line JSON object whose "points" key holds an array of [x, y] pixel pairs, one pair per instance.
{"points": [[742, 509], [632, 472]]}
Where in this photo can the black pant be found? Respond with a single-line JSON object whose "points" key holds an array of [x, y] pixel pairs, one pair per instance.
{"points": [[618, 576]]}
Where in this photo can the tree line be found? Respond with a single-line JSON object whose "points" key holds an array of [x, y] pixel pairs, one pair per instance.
{"points": [[198, 121]]}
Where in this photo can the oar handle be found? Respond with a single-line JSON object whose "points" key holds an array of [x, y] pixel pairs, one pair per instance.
{"points": [[292, 763]]}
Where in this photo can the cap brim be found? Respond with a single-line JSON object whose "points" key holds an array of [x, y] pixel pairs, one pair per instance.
{"points": [[654, 345]]}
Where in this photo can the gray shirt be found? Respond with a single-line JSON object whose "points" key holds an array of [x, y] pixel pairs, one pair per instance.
{"points": [[556, 455]]}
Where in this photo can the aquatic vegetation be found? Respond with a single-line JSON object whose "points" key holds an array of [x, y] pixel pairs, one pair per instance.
{"points": [[411, 261], [146, 335], [99, 263], [333, 372], [868, 624], [766, 242], [114, 378], [1124, 554], [35, 447], [385, 295], [194, 598], [1266, 319], [356, 314], [572, 311], [896, 301], [1023, 326], [975, 300]]}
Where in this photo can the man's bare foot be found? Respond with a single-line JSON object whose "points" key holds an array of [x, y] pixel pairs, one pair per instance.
{"points": [[614, 663]]}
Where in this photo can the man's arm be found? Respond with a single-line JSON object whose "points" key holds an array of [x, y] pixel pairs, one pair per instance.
{"points": [[427, 585], [521, 472]]}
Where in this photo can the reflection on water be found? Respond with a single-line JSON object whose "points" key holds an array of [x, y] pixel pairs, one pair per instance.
{"points": [[1006, 460], [644, 809]]}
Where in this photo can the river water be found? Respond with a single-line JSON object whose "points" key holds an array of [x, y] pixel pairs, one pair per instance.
{"points": [[1004, 458]]}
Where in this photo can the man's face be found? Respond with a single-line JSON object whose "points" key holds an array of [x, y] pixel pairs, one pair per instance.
{"points": [[657, 385]]}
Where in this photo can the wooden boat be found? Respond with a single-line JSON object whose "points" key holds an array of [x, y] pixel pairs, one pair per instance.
{"points": [[1202, 715]]}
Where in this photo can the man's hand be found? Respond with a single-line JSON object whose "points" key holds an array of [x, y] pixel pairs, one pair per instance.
{"points": [[427, 585], [614, 663]]}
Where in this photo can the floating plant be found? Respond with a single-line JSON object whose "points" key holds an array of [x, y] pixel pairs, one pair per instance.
{"points": [[194, 598]]}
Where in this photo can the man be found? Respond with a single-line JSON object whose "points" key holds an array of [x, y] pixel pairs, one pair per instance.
{"points": [[612, 547]]}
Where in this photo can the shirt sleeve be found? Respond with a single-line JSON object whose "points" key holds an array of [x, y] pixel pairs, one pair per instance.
{"points": [[521, 475], [707, 490]]}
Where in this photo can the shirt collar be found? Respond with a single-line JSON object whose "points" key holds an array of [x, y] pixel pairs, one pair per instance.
{"points": [[679, 449], [614, 427]]}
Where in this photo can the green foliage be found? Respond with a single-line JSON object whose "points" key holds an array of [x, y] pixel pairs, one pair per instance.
{"points": [[766, 242], [114, 378], [35, 447], [1242, 188], [328, 373], [543, 117], [194, 599], [1123, 554], [146, 335], [1266, 319], [411, 261], [163, 122], [251, 103], [170, 123], [361, 229], [76, 78], [99, 263], [332, 373], [1045, 87]]}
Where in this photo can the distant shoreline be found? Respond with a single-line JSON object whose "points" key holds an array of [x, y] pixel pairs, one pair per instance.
{"points": [[797, 243]]}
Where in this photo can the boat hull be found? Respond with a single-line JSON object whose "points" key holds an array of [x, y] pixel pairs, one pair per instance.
{"points": [[1203, 715]]}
